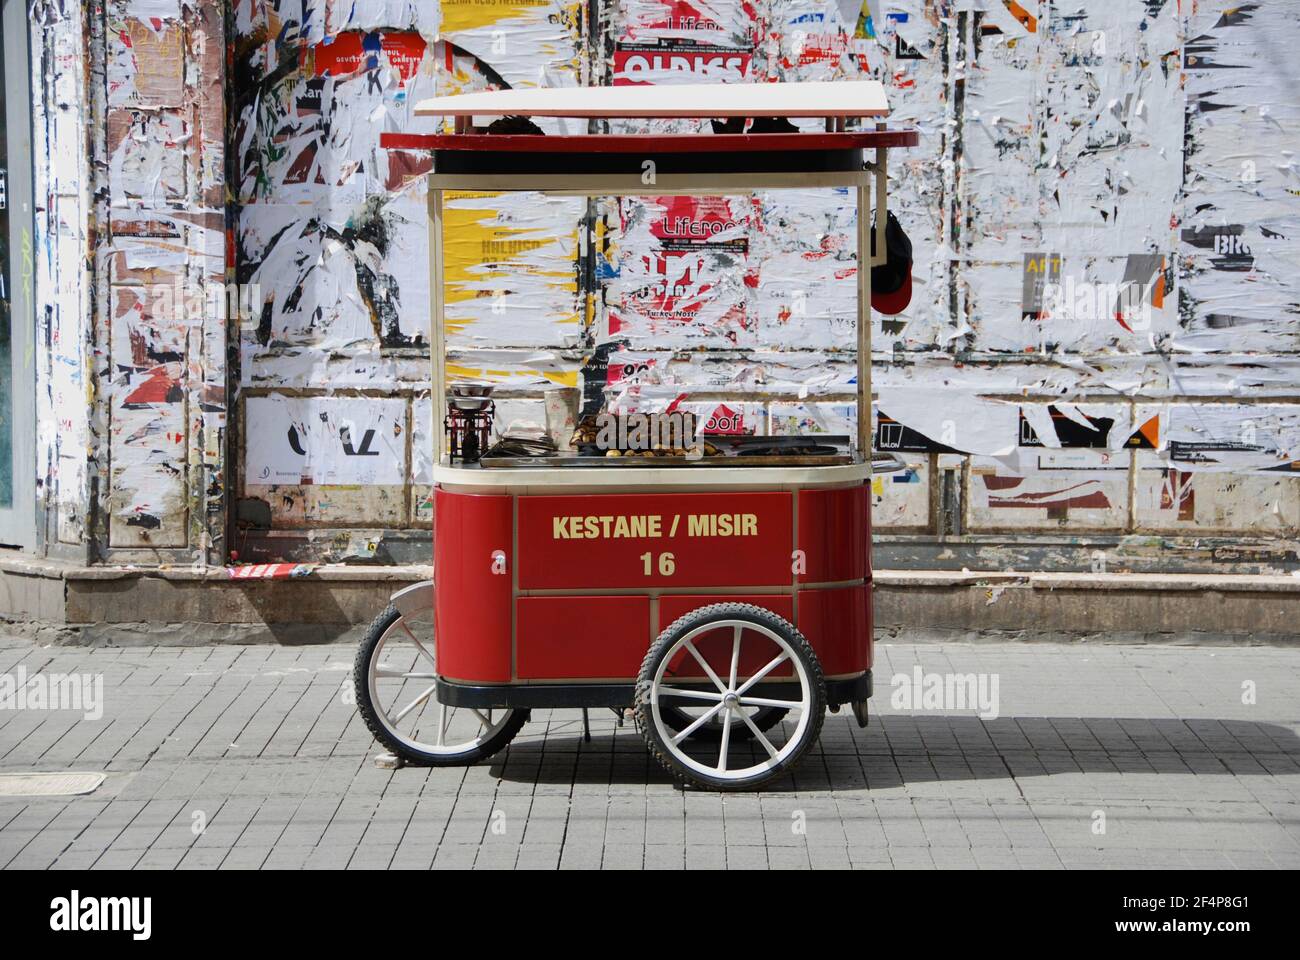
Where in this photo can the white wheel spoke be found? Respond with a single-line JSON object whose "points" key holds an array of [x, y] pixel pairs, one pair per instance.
{"points": [[735, 656], [392, 672], [442, 722], [707, 669], [690, 694], [767, 702], [701, 721], [418, 645], [758, 735], [763, 673], [413, 704], [726, 725], [486, 721]]}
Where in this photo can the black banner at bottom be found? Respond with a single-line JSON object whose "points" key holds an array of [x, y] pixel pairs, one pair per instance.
{"points": [[301, 909]]}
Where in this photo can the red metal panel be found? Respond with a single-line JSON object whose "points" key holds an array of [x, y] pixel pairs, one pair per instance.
{"points": [[638, 541], [472, 589], [838, 625], [587, 638], [834, 533], [670, 608]]}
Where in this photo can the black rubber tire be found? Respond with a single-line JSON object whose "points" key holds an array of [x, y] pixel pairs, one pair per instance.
{"points": [[360, 672], [765, 719], [702, 617]]}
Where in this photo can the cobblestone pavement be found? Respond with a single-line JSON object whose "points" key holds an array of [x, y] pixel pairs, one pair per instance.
{"points": [[261, 748]]}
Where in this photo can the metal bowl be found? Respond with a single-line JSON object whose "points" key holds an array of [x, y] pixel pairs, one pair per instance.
{"points": [[470, 396]]}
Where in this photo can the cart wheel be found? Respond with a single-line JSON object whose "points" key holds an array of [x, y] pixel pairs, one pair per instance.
{"points": [[395, 678], [679, 718], [726, 658]]}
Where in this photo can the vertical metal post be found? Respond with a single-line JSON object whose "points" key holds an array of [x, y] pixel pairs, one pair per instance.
{"points": [[864, 311], [437, 323], [864, 323]]}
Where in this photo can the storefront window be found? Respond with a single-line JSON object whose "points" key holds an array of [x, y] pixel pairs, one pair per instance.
{"points": [[17, 362], [6, 312]]}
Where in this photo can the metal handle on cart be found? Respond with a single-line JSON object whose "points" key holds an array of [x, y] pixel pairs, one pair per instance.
{"points": [[889, 463]]}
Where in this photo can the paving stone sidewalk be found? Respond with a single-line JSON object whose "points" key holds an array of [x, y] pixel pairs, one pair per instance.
{"points": [[254, 757]]}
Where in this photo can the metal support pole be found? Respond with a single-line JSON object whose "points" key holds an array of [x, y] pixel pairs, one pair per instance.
{"points": [[437, 324], [864, 324]]}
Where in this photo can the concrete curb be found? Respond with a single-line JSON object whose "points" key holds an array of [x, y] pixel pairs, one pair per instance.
{"points": [[62, 570], [1179, 582]]}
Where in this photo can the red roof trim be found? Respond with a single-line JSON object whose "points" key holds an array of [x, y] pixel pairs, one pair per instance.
{"points": [[651, 143]]}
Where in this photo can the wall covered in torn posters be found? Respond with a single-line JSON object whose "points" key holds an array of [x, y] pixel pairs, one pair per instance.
{"points": [[129, 145], [1100, 352], [163, 357]]}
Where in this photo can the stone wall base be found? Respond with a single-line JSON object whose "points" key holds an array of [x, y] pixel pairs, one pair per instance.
{"points": [[53, 602]]}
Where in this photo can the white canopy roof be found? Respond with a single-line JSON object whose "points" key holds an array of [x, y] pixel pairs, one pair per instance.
{"points": [[856, 98]]}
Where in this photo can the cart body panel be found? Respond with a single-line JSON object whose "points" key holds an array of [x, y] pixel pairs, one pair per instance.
{"points": [[575, 588], [473, 536]]}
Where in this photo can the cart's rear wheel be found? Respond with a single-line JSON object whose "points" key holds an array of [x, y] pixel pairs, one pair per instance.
{"points": [[730, 658], [395, 676]]}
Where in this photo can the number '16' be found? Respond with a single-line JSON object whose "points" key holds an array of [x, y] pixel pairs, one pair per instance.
{"points": [[667, 565]]}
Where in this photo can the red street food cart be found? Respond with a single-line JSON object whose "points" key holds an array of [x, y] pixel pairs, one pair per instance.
{"points": [[717, 587]]}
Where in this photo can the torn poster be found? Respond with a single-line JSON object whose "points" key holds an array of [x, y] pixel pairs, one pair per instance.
{"points": [[307, 441]]}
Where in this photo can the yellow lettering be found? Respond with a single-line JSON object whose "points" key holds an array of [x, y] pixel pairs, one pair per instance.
{"points": [[640, 526]]}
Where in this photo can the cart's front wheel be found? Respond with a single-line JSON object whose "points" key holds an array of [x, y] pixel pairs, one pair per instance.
{"points": [[730, 659], [396, 685]]}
